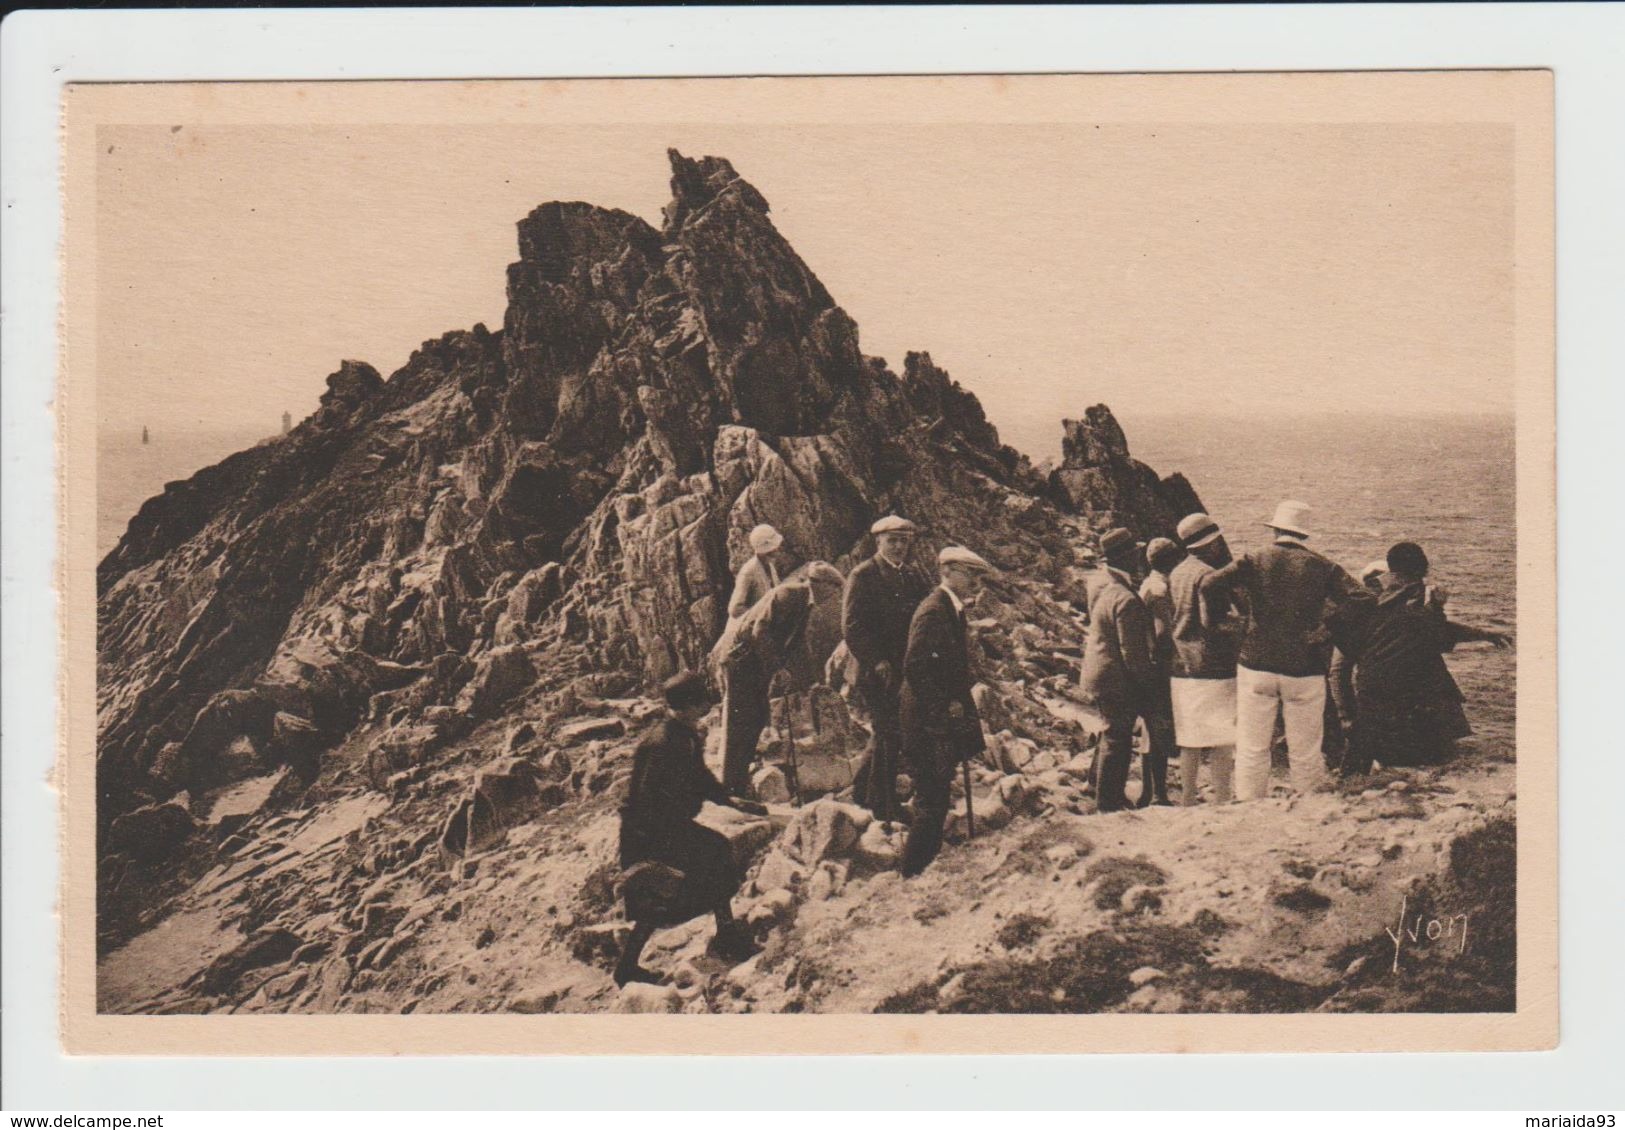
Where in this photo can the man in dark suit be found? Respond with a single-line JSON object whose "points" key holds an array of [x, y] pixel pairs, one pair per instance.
{"points": [[941, 727], [881, 596]]}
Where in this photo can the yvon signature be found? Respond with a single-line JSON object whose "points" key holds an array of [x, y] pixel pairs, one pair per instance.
{"points": [[1447, 931]]}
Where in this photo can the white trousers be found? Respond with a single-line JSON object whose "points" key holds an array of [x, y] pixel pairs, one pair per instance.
{"points": [[1301, 701]]}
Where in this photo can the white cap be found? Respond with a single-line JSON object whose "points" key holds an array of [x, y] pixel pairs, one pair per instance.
{"points": [[765, 539]]}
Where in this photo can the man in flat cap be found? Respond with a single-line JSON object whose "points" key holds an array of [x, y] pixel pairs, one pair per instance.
{"points": [[880, 598], [1203, 664], [941, 727], [762, 641], [1291, 592], [1119, 676], [759, 575]]}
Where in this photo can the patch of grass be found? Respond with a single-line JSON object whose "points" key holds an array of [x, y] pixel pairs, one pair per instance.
{"points": [[930, 911], [1479, 883], [1209, 923], [1299, 868], [1085, 974], [1117, 875], [1022, 930], [1302, 898], [1249, 990]]}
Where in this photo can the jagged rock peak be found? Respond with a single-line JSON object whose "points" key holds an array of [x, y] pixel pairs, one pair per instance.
{"points": [[696, 184], [564, 238]]}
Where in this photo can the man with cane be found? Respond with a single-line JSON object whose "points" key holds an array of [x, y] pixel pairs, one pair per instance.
{"points": [[941, 728]]}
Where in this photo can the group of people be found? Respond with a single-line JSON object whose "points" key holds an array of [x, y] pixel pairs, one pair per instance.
{"points": [[1212, 652], [1209, 652]]}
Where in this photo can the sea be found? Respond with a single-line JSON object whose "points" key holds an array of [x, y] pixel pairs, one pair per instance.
{"points": [[128, 472], [1444, 482]]}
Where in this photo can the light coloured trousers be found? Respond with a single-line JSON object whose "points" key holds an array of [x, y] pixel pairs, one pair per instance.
{"points": [[1301, 701]]}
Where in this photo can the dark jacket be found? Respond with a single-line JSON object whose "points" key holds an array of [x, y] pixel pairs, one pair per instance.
{"points": [[1288, 587], [936, 674], [1204, 630], [876, 610], [670, 781], [1407, 707], [1119, 669]]}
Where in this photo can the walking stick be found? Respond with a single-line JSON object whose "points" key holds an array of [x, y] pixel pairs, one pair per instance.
{"points": [[785, 716], [970, 812]]}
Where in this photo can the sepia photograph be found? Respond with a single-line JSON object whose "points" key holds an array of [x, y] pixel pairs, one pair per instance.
{"points": [[1046, 563]]}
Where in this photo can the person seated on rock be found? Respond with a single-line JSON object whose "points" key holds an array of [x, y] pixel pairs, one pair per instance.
{"points": [[674, 869], [761, 641], [1407, 707]]}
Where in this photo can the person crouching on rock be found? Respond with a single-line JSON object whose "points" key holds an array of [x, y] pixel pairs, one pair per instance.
{"points": [[941, 727], [763, 639], [674, 869]]}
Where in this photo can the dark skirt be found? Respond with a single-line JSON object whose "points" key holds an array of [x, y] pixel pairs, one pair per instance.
{"points": [[710, 875], [1404, 730]]}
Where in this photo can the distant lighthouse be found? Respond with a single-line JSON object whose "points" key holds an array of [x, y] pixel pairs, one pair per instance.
{"points": [[144, 436], [287, 423]]}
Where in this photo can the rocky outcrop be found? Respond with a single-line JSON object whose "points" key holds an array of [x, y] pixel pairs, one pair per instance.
{"points": [[516, 519], [1099, 478]]}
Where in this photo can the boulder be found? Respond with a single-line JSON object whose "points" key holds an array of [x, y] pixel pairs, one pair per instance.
{"points": [[772, 908], [880, 849], [777, 872], [826, 829], [770, 786], [746, 834], [270, 946], [500, 675], [587, 729], [828, 879], [151, 834]]}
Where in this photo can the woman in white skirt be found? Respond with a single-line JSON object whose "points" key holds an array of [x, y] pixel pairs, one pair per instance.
{"points": [[1202, 671]]}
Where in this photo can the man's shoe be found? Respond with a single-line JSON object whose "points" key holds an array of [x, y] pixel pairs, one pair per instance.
{"points": [[639, 974], [733, 943]]}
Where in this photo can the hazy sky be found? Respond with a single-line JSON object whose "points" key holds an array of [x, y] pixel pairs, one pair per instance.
{"points": [[1187, 269]]}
